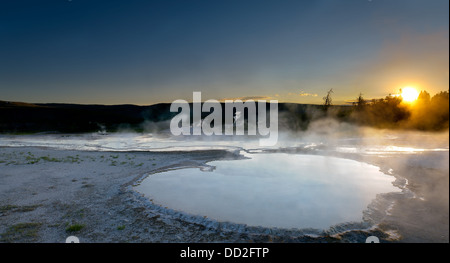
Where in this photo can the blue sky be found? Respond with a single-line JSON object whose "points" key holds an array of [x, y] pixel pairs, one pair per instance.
{"points": [[145, 52]]}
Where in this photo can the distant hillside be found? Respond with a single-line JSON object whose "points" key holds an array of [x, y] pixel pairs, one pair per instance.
{"points": [[428, 113], [18, 117]]}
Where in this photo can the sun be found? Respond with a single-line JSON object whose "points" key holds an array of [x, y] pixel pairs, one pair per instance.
{"points": [[409, 94]]}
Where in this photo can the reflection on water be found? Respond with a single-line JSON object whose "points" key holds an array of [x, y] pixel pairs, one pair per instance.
{"points": [[272, 190]]}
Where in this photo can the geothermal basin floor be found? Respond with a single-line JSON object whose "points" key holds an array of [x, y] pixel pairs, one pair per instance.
{"points": [[47, 195]]}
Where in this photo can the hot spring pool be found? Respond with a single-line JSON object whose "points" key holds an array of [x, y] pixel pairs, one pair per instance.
{"points": [[272, 190]]}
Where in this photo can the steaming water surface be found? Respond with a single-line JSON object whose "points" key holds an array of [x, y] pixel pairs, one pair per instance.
{"points": [[272, 190], [378, 145], [269, 189]]}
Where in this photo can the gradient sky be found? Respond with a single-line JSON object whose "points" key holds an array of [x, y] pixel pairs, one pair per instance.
{"points": [[145, 52]]}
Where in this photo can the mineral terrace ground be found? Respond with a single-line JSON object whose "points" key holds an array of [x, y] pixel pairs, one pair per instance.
{"points": [[47, 195]]}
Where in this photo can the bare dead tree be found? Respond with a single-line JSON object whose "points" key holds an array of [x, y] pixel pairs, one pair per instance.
{"points": [[360, 102], [327, 100]]}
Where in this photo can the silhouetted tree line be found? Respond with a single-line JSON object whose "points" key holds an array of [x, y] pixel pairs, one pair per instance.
{"points": [[430, 113], [426, 113]]}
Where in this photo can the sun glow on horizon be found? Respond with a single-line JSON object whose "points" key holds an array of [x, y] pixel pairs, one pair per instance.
{"points": [[409, 94]]}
